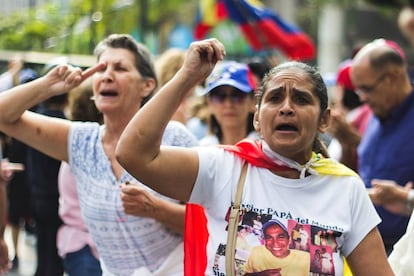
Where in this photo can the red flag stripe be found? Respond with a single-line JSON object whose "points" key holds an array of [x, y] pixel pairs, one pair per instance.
{"points": [[195, 240], [265, 34]]}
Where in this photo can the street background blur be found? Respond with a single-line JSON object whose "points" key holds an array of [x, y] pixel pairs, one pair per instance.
{"points": [[27, 251], [39, 31], [42, 29]]}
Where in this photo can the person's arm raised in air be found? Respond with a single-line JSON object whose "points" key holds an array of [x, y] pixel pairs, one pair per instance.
{"points": [[46, 134], [171, 171]]}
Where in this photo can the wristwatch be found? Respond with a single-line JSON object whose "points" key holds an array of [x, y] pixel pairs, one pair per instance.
{"points": [[410, 198]]}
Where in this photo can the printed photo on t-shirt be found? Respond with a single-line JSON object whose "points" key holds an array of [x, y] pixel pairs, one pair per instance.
{"points": [[268, 245]]}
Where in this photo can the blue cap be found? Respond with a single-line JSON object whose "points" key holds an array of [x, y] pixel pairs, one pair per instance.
{"points": [[274, 222], [27, 75], [233, 74]]}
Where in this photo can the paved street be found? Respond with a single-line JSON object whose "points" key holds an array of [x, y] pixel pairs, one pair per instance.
{"points": [[27, 253]]}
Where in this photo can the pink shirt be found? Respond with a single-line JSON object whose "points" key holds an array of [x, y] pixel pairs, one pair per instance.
{"points": [[361, 120], [73, 234]]}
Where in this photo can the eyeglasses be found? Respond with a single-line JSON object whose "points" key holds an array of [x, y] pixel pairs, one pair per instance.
{"points": [[369, 88], [220, 97]]}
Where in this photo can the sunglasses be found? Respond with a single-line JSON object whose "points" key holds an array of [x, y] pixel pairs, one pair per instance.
{"points": [[220, 97]]}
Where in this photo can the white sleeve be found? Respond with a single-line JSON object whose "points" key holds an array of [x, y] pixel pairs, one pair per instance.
{"points": [[6, 81], [402, 255], [216, 173]]}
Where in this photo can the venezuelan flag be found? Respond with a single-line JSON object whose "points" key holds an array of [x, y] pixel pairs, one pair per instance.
{"points": [[262, 27], [209, 13], [195, 240]]}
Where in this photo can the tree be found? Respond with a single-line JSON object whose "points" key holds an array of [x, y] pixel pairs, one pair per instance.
{"points": [[30, 30], [78, 27]]}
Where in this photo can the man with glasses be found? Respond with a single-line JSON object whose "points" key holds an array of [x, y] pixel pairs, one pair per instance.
{"points": [[379, 73]]}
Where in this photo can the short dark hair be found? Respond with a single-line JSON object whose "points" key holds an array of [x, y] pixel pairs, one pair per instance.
{"points": [[143, 59]]}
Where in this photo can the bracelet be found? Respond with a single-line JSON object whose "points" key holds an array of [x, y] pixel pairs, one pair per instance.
{"points": [[410, 198]]}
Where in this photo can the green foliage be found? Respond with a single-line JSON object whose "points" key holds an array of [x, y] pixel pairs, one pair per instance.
{"points": [[80, 24], [30, 30], [76, 27], [389, 3]]}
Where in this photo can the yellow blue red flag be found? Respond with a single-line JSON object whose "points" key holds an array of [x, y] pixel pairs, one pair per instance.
{"points": [[263, 28]]}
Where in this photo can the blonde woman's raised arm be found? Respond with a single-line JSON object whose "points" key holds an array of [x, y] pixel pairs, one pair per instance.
{"points": [[171, 171], [46, 134]]}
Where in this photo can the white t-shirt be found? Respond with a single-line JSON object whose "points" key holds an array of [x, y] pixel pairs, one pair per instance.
{"points": [[401, 257], [212, 140], [335, 210]]}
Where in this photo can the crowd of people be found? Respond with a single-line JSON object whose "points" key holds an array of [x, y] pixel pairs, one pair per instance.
{"points": [[114, 162], [292, 109]]}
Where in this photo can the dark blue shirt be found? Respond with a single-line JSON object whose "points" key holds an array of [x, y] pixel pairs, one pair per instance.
{"points": [[387, 152], [42, 170]]}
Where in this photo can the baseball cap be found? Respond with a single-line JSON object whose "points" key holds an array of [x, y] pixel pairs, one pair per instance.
{"points": [[233, 74], [394, 45], [344, 75], [274, 222], [27, 75], [391, 44]]}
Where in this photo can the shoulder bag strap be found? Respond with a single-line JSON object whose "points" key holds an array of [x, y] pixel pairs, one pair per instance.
{"points": [[233, 223]]}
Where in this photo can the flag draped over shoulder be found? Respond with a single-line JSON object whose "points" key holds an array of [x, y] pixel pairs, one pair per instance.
{"points": [[195, 240], [196, 233], [252, 152], [262, 27]]}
